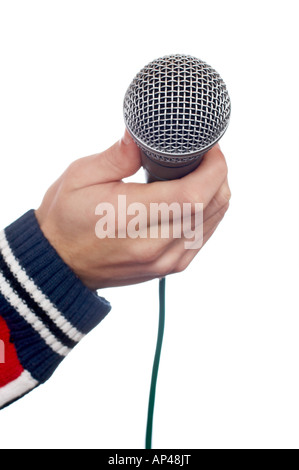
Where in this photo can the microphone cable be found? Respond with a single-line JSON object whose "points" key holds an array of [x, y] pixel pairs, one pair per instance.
{"points": [[155, 369]]}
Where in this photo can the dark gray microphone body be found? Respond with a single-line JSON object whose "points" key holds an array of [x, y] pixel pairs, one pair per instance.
{"points": [[176, 109]]}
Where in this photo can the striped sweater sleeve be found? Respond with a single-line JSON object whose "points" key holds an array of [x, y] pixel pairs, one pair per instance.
{"points": [[45, 310]]}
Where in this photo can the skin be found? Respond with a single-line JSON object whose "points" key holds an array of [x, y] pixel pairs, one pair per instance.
{"points": [[67, 215]]}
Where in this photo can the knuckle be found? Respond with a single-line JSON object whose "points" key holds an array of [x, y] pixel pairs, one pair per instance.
{"points": [[74, 168], [166, 269], [164, 266], [221, 213], [72, 177], [71, 174], [226, 193], [224, 209], [222, 165], [181, 266], [222, 198]]}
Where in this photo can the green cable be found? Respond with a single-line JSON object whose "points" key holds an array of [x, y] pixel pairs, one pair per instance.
{"points": [[152, 394]]}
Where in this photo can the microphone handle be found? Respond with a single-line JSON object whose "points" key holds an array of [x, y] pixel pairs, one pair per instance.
{"points": [[155, 171]]}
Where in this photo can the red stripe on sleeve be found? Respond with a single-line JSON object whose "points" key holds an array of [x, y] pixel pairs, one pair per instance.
{"points": [[10, 366]]}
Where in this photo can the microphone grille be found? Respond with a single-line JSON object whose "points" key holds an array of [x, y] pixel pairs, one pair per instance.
{"points": [[177, 106]]}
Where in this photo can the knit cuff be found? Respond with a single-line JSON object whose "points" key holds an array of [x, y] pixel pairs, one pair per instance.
{"points": [[47, 308]]}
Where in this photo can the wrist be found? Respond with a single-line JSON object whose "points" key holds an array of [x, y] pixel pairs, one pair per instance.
{"points": [[48, 309]]}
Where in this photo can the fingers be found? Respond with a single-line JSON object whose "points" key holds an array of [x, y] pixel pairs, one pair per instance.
{"points": [[201, 185], [119, 161], [163, 257], [177, 258], [204, 182], [221, 199], [123, 159]]}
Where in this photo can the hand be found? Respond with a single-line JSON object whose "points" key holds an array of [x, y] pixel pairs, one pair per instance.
{"points": [[67, 215]]}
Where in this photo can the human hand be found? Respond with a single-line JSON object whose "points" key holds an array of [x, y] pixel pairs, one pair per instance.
{"points": [[67, 215]]}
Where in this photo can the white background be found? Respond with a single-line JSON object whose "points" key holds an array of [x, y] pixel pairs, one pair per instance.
{"points": [[229, 373]]}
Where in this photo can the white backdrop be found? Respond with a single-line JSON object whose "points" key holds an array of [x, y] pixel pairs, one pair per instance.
{"points": [[229, 375]]}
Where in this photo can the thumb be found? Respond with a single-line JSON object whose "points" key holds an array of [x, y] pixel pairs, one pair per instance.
{"points": [[119, 161]]}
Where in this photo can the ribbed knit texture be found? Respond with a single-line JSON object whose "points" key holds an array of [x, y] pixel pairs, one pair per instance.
{"points": [[43, 304]]}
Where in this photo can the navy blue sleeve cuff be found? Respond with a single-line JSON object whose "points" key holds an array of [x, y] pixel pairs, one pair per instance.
{"points": [[46, 306]]}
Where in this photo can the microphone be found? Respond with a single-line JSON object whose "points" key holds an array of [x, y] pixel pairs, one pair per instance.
{"points": [[176, 108]]}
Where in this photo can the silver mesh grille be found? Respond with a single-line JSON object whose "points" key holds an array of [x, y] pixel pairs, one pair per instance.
{"points": [[176, 107]]}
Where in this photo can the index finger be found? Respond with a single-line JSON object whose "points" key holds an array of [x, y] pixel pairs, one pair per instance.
{"points": [[198, 186]]}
